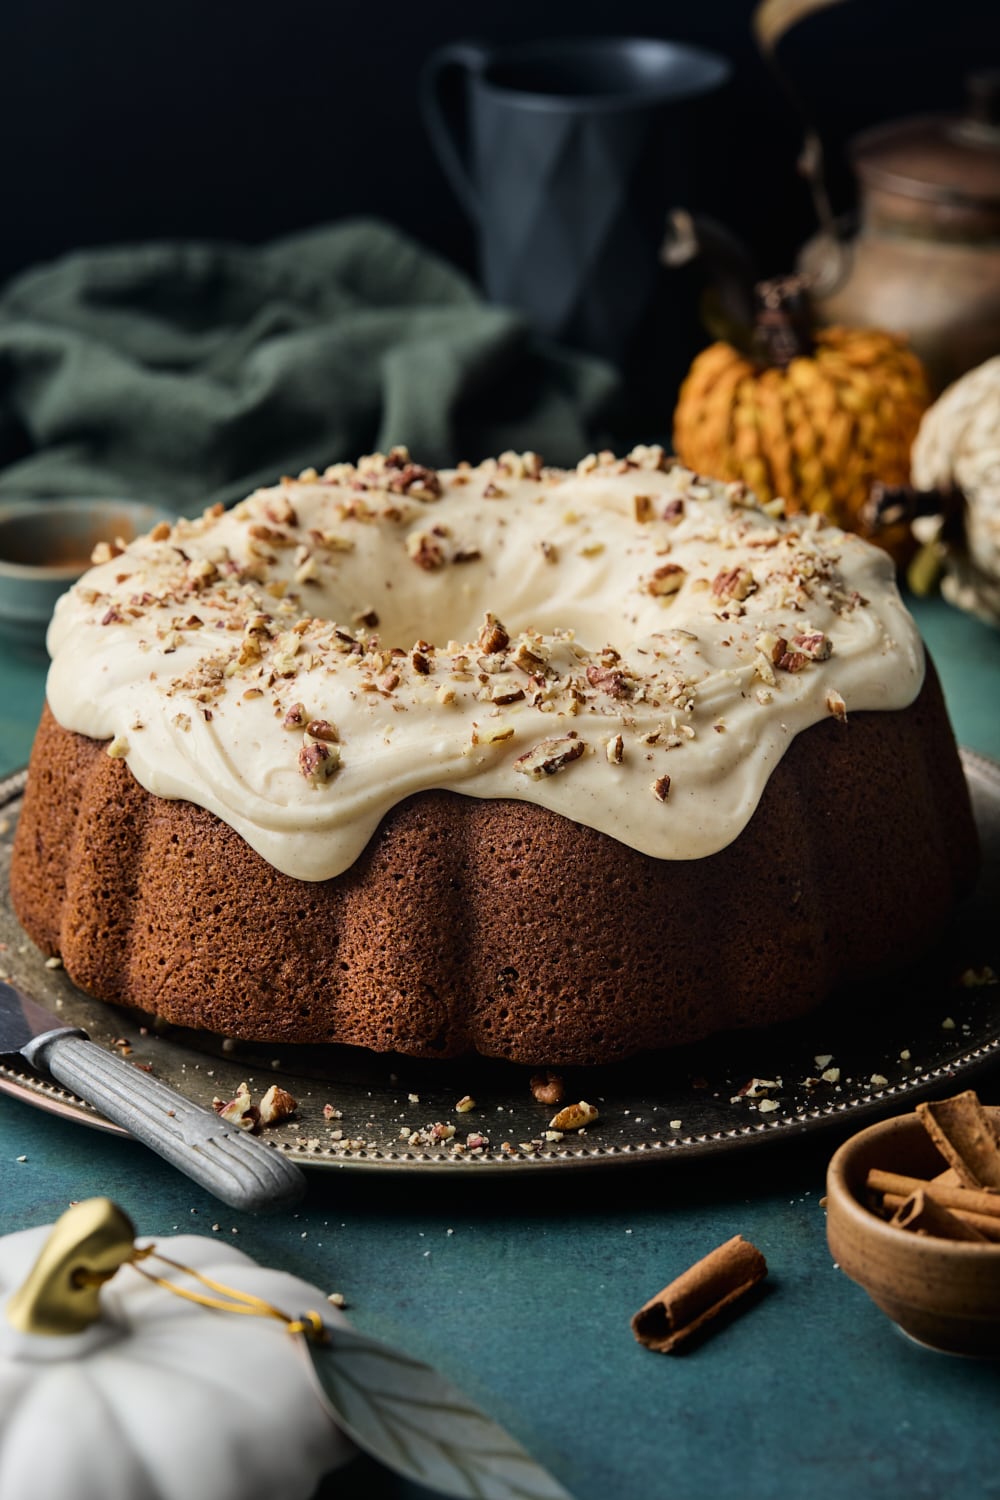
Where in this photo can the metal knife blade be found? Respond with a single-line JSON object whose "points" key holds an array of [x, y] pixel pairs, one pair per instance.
{"points": [[22, 1021], [242, 1171]]}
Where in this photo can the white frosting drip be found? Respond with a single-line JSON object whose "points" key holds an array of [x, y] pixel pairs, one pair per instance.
{"points": [[181, 651]]}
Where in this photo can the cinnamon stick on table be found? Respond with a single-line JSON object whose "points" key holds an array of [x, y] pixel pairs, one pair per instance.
{"points": [[698, 1295]]}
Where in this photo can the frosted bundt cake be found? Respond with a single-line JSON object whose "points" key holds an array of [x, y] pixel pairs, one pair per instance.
{"points": [[553, 765]]}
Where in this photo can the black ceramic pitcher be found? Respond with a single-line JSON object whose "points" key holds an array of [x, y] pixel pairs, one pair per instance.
{"points": [[567, 155]]}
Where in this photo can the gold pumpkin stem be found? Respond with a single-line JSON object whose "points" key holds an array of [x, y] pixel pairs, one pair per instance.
{"points": [[784, 326], [62, 1293]]}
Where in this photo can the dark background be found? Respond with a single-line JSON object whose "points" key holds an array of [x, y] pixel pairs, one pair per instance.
{"points": [[122, 120]]}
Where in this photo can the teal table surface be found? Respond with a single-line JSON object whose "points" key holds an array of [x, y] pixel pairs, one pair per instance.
{"points": [[521, 1290]]}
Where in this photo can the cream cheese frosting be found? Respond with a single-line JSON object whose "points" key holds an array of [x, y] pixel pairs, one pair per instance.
{"points": [[627, 644]]}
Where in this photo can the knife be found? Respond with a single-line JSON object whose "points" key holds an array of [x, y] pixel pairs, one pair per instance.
{"points": [[229, 1162]]}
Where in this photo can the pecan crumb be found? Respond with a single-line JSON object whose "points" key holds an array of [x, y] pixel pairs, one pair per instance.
{"points": [[547, 1087], [240, 1110], [277, 1105], [575, 1116]]}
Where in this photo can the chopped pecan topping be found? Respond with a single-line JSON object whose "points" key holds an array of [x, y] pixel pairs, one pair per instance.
{"points": [[615, 750], [280, 509], [643, 506], [322, 729], [318, 762], [271, 535], [666, 580], [105, 551], [492, 635], [610, 680], [814, 644], [733, 583], [527, 659], [793, 661], [772, 646], [549, 756], [836, 705], [494, 734], [295, 718], [416, 481], [507, 695], [673, 511], [661, 788], [331, 541], [425, 550]]}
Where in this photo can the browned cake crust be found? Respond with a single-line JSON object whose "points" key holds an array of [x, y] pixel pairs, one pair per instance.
{"points": [[499, 926]]}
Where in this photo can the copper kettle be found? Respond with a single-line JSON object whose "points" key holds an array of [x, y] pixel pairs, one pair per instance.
{"points": [[925, 259]]}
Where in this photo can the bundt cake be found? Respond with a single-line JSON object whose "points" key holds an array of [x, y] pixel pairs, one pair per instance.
{"points": [[556, 766]]}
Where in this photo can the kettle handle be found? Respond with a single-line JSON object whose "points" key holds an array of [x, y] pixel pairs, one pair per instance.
{"points": [[446, 138]]}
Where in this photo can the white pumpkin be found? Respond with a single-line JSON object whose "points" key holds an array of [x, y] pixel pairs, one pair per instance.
{"points": [[161, 1399], [958, 447]]}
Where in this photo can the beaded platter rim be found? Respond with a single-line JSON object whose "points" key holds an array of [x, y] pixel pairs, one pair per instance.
{"points": [[393, 1114]]}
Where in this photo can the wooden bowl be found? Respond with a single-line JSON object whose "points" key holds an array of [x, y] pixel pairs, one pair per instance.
{"points": [[944, 1293]]}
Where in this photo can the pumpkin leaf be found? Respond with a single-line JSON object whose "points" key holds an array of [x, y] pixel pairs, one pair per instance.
{"points": [[416, 1422]]}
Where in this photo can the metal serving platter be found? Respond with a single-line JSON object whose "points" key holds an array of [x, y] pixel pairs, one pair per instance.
{"points": [[924, 1031]]}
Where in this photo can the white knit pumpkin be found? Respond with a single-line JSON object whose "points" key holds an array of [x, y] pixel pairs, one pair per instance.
{"points": [[161, 1399], [958, 447]]}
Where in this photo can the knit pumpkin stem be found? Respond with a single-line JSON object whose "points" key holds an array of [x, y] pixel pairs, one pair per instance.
{"points": [[784, 326]]}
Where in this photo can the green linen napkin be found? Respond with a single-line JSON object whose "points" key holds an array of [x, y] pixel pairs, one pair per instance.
{"points": [[191, 373]]}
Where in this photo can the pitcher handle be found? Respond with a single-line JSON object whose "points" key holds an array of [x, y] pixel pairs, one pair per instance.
{"points": [[445, 138]]}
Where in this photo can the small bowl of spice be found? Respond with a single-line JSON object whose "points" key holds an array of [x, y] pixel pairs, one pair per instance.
{"points": [[913, 1216], [45, 545]]}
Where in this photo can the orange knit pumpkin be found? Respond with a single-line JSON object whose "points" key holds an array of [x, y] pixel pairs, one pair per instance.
{"points": [[815, 420]]}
